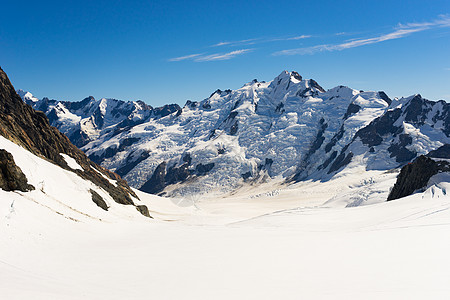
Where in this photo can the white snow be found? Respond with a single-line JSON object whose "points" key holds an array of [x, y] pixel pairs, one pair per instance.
{"points": [[71, 162], [27, 96], [394, 250]]}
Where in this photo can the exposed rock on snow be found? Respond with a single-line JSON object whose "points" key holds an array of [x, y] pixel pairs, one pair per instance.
{"points": [[415, 176], [98, 200], [11, 176]]}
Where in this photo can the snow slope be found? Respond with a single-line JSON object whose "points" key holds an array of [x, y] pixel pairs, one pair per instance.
{"points": [[390, 250], [61, 191]]}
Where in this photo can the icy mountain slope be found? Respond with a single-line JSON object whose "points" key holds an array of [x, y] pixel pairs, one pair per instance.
{"points": [[86, 120], [263, 130], [30, 132], [289, 128], [411, 127]]}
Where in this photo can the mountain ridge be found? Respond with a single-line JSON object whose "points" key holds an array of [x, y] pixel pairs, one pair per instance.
{"points": [[289, 128]]}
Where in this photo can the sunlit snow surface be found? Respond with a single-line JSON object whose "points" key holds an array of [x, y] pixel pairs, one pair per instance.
{"points": [[267, 242]]}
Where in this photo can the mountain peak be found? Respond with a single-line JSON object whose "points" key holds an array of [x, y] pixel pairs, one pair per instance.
{"points": [[292, 76], [297, 76], [27, 96]]}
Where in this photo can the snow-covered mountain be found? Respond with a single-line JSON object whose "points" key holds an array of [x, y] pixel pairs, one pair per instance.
{"points": [[86, 120], [289, 130], [40, 164]]}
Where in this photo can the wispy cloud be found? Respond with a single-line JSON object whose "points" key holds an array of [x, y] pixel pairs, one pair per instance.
{"points": [[294, 38], [261, 40], [201, 57], [300, 37], [222, 56], [442, 21], [236, 43], [402, 30], [191, 56]]}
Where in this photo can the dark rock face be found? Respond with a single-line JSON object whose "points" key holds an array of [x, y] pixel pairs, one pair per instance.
{"points": [[444, 116], [164, 176], [341, 161], [417, 110], [79, 138], [415, 176], [143, 210], [441, 152], [399, 150], [385, 97], [132, 162], [11, 176], [279, 107], [328, 161], [319, 138], [246, 175], [351, 110], [109, 152], [318, 141], [234, 128], [296, 76], [314, 84], [334, 139], [202, 169], [156, 183], [166, 110], [175, 175], [31, 129], [98, 200], [371, 135], [192, 104]]}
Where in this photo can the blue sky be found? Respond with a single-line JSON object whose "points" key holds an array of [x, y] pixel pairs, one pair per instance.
{"points": [[170, 51]]}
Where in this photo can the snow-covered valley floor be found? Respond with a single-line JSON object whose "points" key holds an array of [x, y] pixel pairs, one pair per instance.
{"points": [[390, 250], [269, 241]]}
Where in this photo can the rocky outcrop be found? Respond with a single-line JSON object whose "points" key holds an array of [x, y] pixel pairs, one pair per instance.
{"points": [[441, 152], [11, 176], [415, 176], [31, 129], [143, 210], [97, 199]]}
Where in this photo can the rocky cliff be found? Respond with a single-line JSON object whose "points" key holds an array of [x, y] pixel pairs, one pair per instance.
{"points": [[31, 130], [416, 175]]}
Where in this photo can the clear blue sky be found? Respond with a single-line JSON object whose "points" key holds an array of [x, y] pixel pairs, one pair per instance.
{"points": [[171, 51]]}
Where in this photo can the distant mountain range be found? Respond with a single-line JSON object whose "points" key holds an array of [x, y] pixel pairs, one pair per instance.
{"points": [[289, 129]]}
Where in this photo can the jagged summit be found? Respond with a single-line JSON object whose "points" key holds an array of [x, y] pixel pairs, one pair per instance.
{"points": [[27, 96]]}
